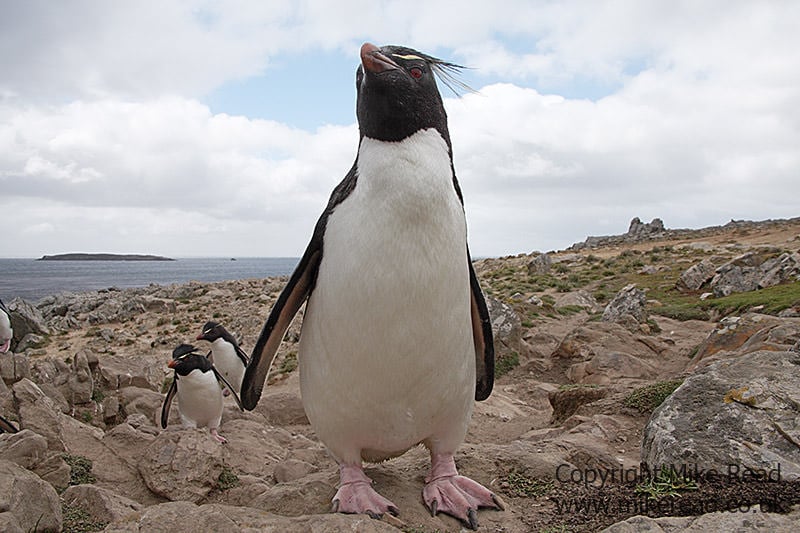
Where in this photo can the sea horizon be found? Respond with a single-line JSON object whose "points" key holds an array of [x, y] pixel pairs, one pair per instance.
{"points": [[31, 279]]}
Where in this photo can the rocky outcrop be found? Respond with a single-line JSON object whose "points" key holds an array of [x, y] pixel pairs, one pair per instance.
{"points": [[738, 415], [755, 270]]}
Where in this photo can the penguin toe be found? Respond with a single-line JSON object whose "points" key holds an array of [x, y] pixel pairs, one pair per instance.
{"points": [[459, 497]]}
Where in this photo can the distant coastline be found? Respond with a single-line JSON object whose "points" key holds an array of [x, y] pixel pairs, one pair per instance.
{"points": [[103, 257]]}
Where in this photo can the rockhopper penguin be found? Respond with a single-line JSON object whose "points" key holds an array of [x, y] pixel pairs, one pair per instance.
{"points": [[228, 358], [396, 342], [199, 395], [6, 332]]}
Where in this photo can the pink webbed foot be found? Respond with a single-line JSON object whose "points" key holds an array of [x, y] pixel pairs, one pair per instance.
{"points": [[356, 495], [219, 438], [447, 492]]}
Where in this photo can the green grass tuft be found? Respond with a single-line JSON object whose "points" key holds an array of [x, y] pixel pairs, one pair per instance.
{"points": [[522, 486], [77, 520], [646, 399], [80, 469], [668, 482], [506, 364]]}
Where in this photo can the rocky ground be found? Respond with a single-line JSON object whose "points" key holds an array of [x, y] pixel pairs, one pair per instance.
{"points": [[591, 344]]}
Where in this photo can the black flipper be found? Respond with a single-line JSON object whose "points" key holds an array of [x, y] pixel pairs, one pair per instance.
{"points": [[6, 426], [296, 292], [242, 355], [173, 388], [483, 338], [224, 381]]}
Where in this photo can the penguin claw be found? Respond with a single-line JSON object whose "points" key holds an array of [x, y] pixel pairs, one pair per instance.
{"points": [[459, 497]]}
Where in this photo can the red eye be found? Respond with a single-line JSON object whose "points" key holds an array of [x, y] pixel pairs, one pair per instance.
{"points": [[416, 72]]}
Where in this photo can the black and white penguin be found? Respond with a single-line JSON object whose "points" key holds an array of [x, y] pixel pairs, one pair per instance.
{"points": [[228, 358], [6, 426], [196, 386], [396, 342], [6, 332]]}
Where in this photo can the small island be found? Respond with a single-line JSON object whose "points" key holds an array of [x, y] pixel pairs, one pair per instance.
{"points": [[103, 257]]}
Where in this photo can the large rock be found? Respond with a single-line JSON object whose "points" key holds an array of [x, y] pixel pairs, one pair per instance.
{"points": [[80, 382], [540, 264], [29, 450], [182, 464], [33, 502], [696, 276], [742, 412], [26, 319], [506, 327], [756, 269], [14, 367], [629, 302], [38, 413], [738, 335], [101, 504], [718, 521]]}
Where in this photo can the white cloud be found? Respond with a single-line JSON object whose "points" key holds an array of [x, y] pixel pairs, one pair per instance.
{"points": [[106, 146]]}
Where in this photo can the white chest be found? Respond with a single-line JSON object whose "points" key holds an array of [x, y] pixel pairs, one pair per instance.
{"points": [[199, 399], [387, 331]]}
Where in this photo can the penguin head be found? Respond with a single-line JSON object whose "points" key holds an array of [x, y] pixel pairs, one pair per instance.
{"points": [[211, 332], [397, 92], [185, 359]]}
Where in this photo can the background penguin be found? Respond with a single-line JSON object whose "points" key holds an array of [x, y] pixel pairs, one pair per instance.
{"points": [[396, 341], [6, 333], [197, 389], [6, 426], [228, 358]]}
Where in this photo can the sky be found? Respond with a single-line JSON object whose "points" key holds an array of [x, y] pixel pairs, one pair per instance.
{"points": [[219, 128]]}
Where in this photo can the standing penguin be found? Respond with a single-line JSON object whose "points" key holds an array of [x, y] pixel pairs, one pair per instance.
{"points": [[199, 395], [396, 341], [6, 332], [226, 354]]}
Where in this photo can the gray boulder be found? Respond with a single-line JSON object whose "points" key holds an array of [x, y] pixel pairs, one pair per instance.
{"points": [[782, 269], [14, 367], [629, 302], [25, 319], [34, 503], [540, 264], [696, 276], [506, 327], [80, 383], [738, 413]]}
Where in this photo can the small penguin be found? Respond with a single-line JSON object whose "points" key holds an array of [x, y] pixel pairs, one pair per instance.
{"points": [[6, 332], [228, 358], [198, 391], [396, 342], [6, 426]]}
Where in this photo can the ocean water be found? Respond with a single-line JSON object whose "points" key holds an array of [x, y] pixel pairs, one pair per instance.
{"points": [[32, 280]]}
